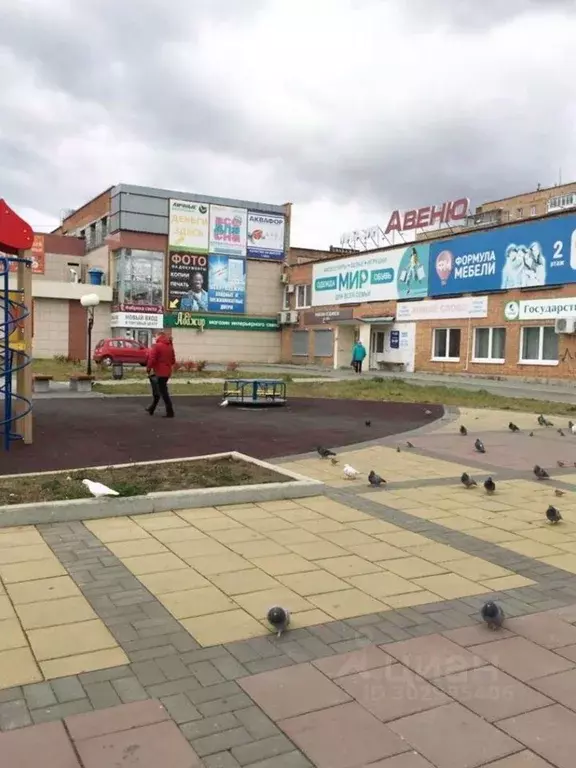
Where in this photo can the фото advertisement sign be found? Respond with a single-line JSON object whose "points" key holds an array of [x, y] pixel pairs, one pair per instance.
{"points": [[227, 284], [529, 255], [228, 230], [265, 236], [187, 284], [223, 323], [429, 216], [398, 273], [189, 226], [540, 309], [464, 307]]}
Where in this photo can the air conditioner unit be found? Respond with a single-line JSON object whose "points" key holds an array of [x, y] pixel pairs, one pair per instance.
{"points": [[290, 288], [288, 317], [566, 325], [284, 278]]}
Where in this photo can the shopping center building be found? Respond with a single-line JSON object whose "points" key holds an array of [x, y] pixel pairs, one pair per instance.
{"points": [[210, 269], [473, 297]]}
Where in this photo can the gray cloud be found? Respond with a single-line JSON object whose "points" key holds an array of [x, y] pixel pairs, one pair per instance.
{"points": [[405, 103]]}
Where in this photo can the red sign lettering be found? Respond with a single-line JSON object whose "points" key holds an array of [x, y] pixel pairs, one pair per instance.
{"points": [[455, 210]]}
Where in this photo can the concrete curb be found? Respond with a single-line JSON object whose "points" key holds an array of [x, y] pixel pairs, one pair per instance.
{"points": [[74, 510]]}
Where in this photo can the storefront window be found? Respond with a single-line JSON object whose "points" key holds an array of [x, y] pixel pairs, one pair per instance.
{"points": [[539, 345], [490, 344], [138, 277], [446, 344]]}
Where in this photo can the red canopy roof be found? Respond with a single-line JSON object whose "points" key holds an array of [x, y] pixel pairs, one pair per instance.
{"points": [[15, 233]]}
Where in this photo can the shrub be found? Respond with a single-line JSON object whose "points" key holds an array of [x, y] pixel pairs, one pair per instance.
{"points": [[201, 365], [232, 367], [178, 366], [189, 366]]}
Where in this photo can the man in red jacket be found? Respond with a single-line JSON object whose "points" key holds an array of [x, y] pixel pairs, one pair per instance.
{"points": [[161, 360]]}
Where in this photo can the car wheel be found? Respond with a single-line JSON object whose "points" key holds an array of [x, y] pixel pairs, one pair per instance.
{"points": [[106, 361]]}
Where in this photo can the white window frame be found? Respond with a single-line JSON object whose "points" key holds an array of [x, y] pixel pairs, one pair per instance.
{"points": [[540, 361], [437, 359], [306, 290], [533, 211], [492, 360], [285, 299]]}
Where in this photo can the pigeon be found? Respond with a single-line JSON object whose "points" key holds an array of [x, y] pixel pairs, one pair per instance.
{"points": [[375, 479], [397, 449], [409, 444], [98, 489], [224, 403], [324, 453], [541, 421], [571, 426], [573, 429], [540, 473], [531, 434], [561, 433], [333, 461], [558, 492], [428, 413], [467, 481], [463, 430], [279, 619], [513, 428], [368, 423], [560, 464], [492, 614], [349, 472], [479, 445], [489, 486], [553, 515]]}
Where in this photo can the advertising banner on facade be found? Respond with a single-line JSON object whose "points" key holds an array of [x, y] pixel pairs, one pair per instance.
{"points": [[187, 287], [139, 320], [227, 281], [223, 323], [37, 255], [398, 273], [528, 255], [465, 307], [228, 230], [265, 236], [540, 309], [189, 227]]}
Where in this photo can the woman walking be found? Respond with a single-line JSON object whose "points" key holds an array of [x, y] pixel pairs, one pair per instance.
{"points": [[159, 368], [358, 355]]}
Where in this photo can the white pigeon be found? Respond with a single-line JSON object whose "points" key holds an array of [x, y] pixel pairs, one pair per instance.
{"points": [[99, 489], [573, 429], [349, 472], [224, 403]]}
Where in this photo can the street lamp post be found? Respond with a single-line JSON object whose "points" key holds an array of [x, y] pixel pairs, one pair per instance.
{"points": [[89, 302]]}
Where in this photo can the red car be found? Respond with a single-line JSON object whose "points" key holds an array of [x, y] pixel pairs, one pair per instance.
{"points": [[128, 351]]}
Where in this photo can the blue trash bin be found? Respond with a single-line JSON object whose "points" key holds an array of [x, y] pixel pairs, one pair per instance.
{"points": [[96, 276]]}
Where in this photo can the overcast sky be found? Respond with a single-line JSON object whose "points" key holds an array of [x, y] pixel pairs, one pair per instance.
{"points": [[347, 108]]}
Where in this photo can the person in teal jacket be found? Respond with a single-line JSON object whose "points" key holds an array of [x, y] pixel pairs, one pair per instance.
{"points": [[358, 355]]}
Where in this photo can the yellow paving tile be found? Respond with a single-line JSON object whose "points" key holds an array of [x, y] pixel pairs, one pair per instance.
{"points": [[70, 639], [266, 524], [230, 508], [450, 586], [135, 548], [569, 546], [25, 554], [284, 564], [237, 535], [214, 564], [247, 513], [129, 531], [66, 610], [436, 553], [262, 548], [298, 515], [6, 609], [84, 662], [545, 535], [372, 526], [348, 566], [241, 582], [314, 583], [496, 536], [349, 538], [19, 537], [173, 581], [459, 523], [508, 582], [159, 522], [279, 505], [18, 667], [197, 602], [42, 589], [476, 569], [404, 539], [531, 548], [294, 536], [318, 550], [201, 513], [223, 627], [378, 551], [257, 604], [343, 514], [323, 525], [397, 602], [308, 618], [11, 635], [197, 548], [412, 567], [169, 535], [347, 604], [27, 571], [565, 562], [153, 563], [222, 523], [381, 585]]}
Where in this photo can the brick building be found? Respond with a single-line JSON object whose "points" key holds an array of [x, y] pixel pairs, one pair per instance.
{"points": [[493, 300]]}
